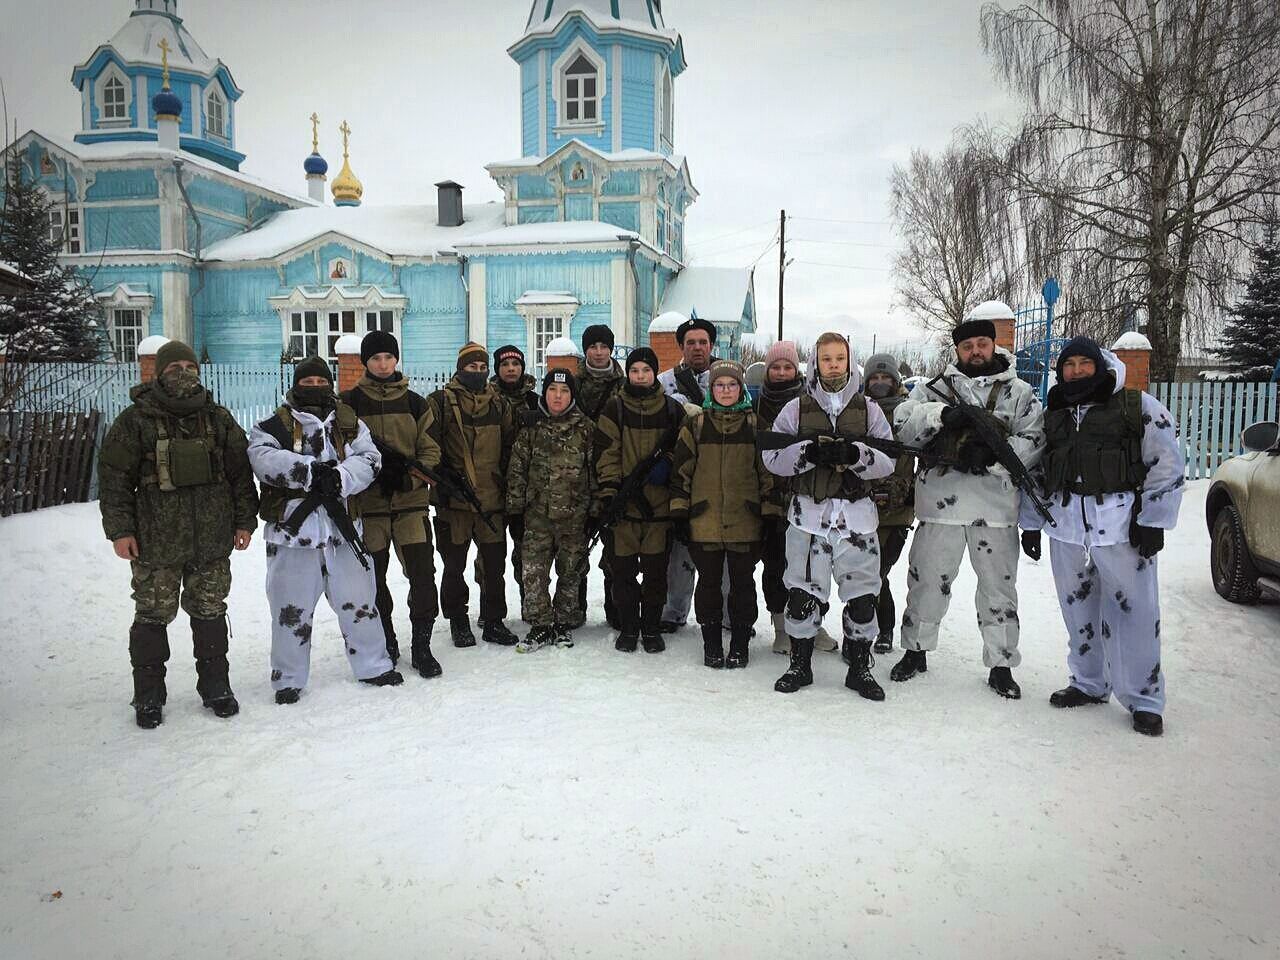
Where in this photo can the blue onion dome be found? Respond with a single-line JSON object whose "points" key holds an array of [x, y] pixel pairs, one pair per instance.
{"points": [[166, 103], [315, 165]]}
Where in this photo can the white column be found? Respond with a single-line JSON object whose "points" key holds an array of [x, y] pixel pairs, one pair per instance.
{"points": [[315, 187], [479, 320], [622, 315], [542, 103], [175, 301], [615, 70]]}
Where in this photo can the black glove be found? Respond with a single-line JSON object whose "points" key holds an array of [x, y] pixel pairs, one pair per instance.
{"points": [[393, 478], [1147, 540], [976, 457], [325, 478], [953, 418], [828, 453], [680, 527], [1031, 543], [659, 474]]}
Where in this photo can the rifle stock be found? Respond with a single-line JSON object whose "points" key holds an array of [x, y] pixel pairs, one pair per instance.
{"points": [[451, 483]]}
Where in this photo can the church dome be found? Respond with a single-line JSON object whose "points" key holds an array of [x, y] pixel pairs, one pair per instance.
{"points": [[166, 103], [346, 187], [644, 16], [315, 165]]}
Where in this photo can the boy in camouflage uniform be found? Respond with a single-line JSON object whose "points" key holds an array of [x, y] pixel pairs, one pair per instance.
{"points": [[550, 485], [176, 494]]}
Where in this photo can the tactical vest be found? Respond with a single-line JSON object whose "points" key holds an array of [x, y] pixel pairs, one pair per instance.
{"points": [[1102, 455], [179, 462], [470, 457], [287, 432], [948, 443], [823, 482]]}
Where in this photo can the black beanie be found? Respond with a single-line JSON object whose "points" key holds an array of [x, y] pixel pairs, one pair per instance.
{"points": [[1082, 347], [597, 333], [697, 323], [642, 355], [509, 352], [312, 367], [378, 341], [561, 376], [973, 328]]}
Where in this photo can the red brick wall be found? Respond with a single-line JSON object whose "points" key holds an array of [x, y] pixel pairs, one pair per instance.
{"points": [[147, 368], [668, 351], [350, 370], [1004, 334], [1137, 368]]}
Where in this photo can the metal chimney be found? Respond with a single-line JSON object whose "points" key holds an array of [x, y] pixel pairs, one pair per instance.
{"points": [[449, 203]]}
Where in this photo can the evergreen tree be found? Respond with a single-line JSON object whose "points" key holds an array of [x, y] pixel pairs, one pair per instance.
{"points": [[1252, 337], [58, 319]]}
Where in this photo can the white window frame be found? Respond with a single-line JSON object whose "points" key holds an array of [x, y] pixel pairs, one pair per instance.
{"points": [[296, 324], [126, 352], [212, 98], [545, 321], [65, 219], [113, 72], [560, 93]]}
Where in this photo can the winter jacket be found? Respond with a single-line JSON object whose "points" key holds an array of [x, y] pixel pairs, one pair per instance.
{"points": [[397, 417], [551, 472], [718, 481], [628, 430], [1086, 521], [894, 496], [474, 433], [947, 495], [521, 395], [768, 404], [287, 469], [686, 386], [835, 513], [194, 524], [594, 390]]}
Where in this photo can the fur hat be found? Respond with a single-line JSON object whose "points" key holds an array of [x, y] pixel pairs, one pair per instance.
{"points": [[312, 367], [973, 328], [378, 341], [172, 352]]}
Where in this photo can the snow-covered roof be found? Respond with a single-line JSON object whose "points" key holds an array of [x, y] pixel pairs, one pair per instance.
{"points": [[120, 151], [11, 270], [559, 232], [635, 16], [138, 41], [546, 297], [409, 230], [718, 294], [1132, 341], [562, 347], [630, 155], [667, 322]]}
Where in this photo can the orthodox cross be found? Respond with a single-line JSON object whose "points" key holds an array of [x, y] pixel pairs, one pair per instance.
{"points": [[164, 60], [346, 134], [315, 133]]}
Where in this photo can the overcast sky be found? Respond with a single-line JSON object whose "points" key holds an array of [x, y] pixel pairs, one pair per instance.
{"points": [[800, 104]]}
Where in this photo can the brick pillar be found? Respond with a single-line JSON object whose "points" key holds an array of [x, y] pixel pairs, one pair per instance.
{"points": [[663, 343], [1137, 364], [147, 351], [1004, 333], [350, 368], [563, 362]]}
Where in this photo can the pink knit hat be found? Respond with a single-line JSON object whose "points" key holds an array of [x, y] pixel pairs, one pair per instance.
{"points": [[782, 350]]}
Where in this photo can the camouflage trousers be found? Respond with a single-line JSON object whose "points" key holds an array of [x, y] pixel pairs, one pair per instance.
{"points": [[565, 543], [203, 588]]}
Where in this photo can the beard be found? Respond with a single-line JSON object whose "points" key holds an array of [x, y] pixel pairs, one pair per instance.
{"points": [[983, 368]]}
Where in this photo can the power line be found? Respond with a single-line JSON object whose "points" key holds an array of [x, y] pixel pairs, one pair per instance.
{"points": [[725, 236], [744, 246], [865, 223], [843, 266], [846, 243]]}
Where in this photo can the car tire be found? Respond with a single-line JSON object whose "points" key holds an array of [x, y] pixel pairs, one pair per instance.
{"points": [[1234, 576]]}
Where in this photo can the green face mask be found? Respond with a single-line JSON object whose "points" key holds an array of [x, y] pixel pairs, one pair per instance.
{"points": [[180, 383]]}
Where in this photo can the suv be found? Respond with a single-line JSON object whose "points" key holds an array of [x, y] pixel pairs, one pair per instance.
{"points": [[1243, 511]]}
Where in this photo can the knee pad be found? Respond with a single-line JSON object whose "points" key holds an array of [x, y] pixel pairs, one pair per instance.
{"points": [[861, 609], [800, 605]]}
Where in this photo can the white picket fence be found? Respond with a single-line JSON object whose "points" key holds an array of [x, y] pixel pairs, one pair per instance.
{"points": [[1211, 416]]}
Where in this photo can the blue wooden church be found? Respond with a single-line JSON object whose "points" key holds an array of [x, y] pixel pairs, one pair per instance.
{"points": [[151, 203]]}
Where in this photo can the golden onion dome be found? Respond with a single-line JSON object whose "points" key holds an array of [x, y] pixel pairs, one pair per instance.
{"points": [[346, 187]]}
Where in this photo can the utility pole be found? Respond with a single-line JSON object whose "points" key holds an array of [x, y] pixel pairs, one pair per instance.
{"points": [[782, 266]]}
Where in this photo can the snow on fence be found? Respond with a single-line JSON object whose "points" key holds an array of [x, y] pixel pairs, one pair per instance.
{"points": [[1211, 416], [47, 459]]}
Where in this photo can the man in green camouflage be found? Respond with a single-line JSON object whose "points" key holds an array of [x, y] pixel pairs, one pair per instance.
{"points": [[550, 485], [176, 494]]}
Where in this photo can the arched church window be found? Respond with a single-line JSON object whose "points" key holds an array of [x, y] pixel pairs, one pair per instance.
{"points": [[115, 105], [216, 115], [581, 91]]}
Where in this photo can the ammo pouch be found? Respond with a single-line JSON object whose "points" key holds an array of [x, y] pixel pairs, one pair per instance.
{"points": [[182, 462]]}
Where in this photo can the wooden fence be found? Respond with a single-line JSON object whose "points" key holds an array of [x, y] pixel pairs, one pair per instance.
{"points": [[46, 459], [1210, 416]]}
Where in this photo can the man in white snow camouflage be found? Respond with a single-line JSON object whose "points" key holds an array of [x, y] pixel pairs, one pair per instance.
{"points": [[972, 505], [1113, 472], [832, 536]]}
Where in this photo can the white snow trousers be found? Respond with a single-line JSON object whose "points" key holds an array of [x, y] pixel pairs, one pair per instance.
{"points": [[936, 552], [296, 576], [852, 560], [1110, 602], [680, 574]]}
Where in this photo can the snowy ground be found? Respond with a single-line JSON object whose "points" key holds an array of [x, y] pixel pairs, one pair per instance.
{"points": [[587, 803]]}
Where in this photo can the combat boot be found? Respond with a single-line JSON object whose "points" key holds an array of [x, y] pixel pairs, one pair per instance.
{"points": [[627, 641], [712, 646], [1001, 681], [460, 631], [652, 642], [421, 658], [859, 678], [884, 643], [148, 653], [1072, 697], [800, 673], [496, 632], [209, 642], [912, 662], [1147, 723], [739, 641], [391, 678]]}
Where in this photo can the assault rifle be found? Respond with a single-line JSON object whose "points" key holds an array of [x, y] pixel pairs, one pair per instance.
{"points": [[326, 494], [451, 483], [632, 488], [773, 440], [989, 432]]}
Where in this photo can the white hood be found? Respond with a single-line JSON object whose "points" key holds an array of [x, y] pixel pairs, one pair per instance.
{"points": [[833, 403]]}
